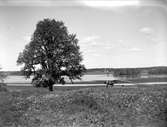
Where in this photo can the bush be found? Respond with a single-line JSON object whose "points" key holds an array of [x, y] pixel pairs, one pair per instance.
{"points": [[39, 83], [3, 87]]}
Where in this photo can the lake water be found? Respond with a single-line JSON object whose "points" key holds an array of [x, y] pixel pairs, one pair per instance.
{"points": [[20, 80]]}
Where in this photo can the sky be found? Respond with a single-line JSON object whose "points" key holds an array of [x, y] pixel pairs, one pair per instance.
{"points": [[111, 33]]}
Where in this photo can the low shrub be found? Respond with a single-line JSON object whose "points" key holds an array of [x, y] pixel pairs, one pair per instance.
{"points": [[3, 87], [39, 83]]}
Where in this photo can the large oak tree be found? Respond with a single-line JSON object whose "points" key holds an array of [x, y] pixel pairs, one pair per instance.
{"points": [[51, 54]]}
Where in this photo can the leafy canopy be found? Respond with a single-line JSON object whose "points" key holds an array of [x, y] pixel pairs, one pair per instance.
{"points": [[52, 52], [2, 76]]}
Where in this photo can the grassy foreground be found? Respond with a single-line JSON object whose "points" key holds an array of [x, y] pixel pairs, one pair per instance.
{"points": [[128, 106]]}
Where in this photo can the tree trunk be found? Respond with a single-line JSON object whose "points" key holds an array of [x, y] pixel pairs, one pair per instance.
{"points": [[50, 85], [71, 81]]}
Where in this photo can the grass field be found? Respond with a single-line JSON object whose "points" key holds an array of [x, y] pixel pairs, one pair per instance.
{"points": [[76, 106]]}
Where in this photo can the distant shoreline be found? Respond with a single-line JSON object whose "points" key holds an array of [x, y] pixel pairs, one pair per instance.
{"points": [[118, 71]]}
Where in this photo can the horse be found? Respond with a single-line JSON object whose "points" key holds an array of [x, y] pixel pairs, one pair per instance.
{"points": [[109, 83], [62, 81]]}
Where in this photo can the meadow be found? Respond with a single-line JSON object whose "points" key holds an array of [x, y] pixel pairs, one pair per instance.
{"points": [[85, 106]]}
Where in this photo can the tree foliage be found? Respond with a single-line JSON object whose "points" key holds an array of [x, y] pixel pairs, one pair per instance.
{"points": [[2, 76], [52, 53]]}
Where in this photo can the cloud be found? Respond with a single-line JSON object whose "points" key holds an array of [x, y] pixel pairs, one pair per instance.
{"points": [[94, 43], [146, 30], [108, 47], [149, 33], [3, 38], [27, 38], [111, 3], [123, 44], [90, 40], [135, 49], [116, 4], [153, 35], [127, 46], [95, 54], [100, 4], [39, 3]]}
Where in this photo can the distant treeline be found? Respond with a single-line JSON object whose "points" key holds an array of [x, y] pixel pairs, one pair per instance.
{"points": [[129, 71], [116, 71]]}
